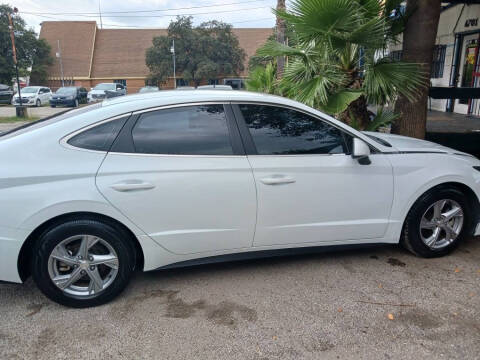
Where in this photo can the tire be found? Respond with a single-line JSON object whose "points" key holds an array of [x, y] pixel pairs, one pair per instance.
{"points": [[38, 103], [83, 292], [420, 237], [75, 104], [52, 105]]}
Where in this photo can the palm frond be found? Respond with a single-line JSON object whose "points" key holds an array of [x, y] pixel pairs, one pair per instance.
{"points": [[263, 79], [339, 101], [386, 79], [381, 119]]}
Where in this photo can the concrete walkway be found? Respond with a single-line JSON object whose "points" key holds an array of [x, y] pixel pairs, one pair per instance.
{"points": [[443, 122]]}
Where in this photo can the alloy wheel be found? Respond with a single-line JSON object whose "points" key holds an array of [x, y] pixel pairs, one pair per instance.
{"points": [[441, 224], [83, 265]]}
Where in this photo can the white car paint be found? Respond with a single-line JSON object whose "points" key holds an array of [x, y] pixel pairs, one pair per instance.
{"points": [[98, 92], [202, 206], [33, 94]]}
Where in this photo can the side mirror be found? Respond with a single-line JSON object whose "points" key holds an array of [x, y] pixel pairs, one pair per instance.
{"points": [[361, 151]]}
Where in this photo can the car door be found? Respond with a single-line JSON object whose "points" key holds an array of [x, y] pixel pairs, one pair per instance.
{"points": [[181, 175], [309, 189]]}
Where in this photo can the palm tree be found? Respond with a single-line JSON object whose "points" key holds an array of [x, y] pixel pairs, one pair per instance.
{"points": [[338, 63]]}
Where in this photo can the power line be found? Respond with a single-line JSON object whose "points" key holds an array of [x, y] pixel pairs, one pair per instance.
{"points": [[138, 11], [164, 15]]}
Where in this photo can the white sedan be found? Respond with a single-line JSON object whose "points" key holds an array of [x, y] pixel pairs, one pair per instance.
{"points": [[33, 96], [172, 178]]}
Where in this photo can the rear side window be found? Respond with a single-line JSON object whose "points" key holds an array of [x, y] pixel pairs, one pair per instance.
{"points": [[282, 131], [190, 130], [100, 137]]}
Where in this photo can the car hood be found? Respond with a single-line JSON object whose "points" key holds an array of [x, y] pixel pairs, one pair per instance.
{"points": [[408, 144], [28, 95]]}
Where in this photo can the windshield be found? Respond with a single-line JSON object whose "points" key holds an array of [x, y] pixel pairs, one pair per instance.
{"points": [[66, 91], [47, 121], [104, 87], [29, 90]]}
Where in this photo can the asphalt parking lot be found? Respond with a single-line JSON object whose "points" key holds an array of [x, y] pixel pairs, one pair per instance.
{"points": [[376, 303]]}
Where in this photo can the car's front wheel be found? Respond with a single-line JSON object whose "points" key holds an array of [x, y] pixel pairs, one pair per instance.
{"points": [[38, 103], [75, 104], [83, 262], [437, 222]]}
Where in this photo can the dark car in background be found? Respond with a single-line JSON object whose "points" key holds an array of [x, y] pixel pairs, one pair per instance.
{"points": [[6, 94], [69, 96]]}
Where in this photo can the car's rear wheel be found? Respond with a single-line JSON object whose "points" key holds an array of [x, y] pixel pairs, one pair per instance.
{"points": [[437, 222], [83, 263]]}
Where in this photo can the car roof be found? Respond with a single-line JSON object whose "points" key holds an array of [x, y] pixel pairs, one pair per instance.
{"points": [[140, 101]]}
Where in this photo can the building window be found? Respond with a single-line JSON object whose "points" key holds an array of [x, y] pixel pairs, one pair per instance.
{"points": [[120, 81], [150, 82], [236, 84], [213, 82], [182, 82], [396, 55], [438, 61]]}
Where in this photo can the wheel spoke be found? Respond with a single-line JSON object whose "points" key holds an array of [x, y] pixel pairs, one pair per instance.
{"points": [[86, 243], [427, 224], [109, 260], [64, 281], [450, 233], [433, 239], [96, 282], [454, 212], [60, 253], [437, 208]]}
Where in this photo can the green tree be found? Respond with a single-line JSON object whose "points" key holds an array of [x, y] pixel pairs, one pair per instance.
{"points": [[30, 50], [338, 63], [203, 52]]}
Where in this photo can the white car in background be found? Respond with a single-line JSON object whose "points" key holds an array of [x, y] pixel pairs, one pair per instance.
{"points": [[33, 96], [105, 90], [177, 178]]}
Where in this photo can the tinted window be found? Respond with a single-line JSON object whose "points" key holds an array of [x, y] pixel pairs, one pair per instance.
{"points": [[191, 130], [277, 130], [99, 137]]}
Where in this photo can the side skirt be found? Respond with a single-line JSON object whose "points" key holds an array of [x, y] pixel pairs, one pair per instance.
{"points": [[249, 255]]}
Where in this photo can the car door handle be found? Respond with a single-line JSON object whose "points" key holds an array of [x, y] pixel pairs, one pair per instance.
{"points": [[277, 180], [132, 185]]}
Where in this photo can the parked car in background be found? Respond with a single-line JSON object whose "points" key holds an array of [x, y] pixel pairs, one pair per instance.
{"points": [[33, 96], [173, 179], [148, 89], [69, 96], [6, 94], [99, 92], [214, 87]]}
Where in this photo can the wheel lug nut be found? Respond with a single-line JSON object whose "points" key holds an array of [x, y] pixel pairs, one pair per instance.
{"points": [[75, 266], [90, 258], [83, 272], [79, 257], [92, 267]]}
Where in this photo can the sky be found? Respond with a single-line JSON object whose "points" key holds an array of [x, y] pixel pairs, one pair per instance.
{"points": [[146, 13]]}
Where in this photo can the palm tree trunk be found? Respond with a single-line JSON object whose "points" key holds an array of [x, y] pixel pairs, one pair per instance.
{"points": [[418, 45], [280, 38], [356, 114]]}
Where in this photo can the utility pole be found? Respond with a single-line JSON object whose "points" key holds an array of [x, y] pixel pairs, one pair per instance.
{"points": [[59, 56], [280, 38], [20, 110], [100, 13], [172, 50]]}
